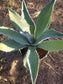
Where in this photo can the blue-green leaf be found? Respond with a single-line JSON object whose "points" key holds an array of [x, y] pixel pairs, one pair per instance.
{"points": [[27, 23], [10, 45], [33, 63], [13, 35], [48, 25], [50, 33], [44, 18], [15, 19], [52, 45]]}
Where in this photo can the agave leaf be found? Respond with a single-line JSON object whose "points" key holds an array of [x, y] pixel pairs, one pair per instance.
{"points": [[10, 45], [28, 36], [44, 18], [27, 23], [33, 63], [13, 35], [52, 45], [48, 25], [25, 62], [15, 19], [50, 33]]}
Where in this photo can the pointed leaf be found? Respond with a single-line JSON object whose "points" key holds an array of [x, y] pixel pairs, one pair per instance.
{"points": [[27, 23], [50, 33], [52, 45], [15, 19], [13, 35], [33, 63], [44, 18], [10, 45]]}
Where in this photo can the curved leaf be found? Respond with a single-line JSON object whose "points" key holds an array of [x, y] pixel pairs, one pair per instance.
{"points": [[44, 18], [25, 62], [27, 23], [52, 45], [14, 35], [50, 33], [15, 19], [10, 45], [33, 63]]}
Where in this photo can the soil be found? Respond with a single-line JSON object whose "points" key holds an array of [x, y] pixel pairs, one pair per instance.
{"points": [[12, 70]]}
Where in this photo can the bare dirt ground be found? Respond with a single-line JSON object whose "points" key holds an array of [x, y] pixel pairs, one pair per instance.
{"points": [[12, 70]]}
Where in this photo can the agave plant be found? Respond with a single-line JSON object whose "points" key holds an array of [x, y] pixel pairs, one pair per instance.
{"points": [[29, 35]]}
